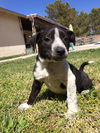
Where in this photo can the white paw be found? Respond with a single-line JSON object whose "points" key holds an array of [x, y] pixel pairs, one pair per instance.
{"points": [[24, 106], [85, 92], [71, 114]]}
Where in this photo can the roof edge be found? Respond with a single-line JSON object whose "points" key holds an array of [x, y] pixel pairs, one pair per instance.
{"points": [[12, 12], [32, 16]]}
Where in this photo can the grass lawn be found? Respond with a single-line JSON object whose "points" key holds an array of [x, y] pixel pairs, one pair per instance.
{"points": [[48, 114], [11, 57]]}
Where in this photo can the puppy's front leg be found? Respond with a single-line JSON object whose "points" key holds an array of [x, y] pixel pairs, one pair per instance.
{"points": [[71, 96], [36, 87]]}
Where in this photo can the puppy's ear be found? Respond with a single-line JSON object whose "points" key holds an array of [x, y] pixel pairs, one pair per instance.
{"points": [[33, 41], [72, 37]]}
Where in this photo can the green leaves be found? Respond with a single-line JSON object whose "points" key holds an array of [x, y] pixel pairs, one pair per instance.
{"points": [[82, 22], [61, 12], [21, 121], [11, 125], [94, 20], [9, 122]]}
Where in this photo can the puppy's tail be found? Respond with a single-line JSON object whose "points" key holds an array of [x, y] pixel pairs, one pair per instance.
{"points": [[84, 64]]}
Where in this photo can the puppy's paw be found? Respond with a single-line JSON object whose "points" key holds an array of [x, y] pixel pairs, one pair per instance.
{"points": [[71, 114], [24, 106], [85, 92]]}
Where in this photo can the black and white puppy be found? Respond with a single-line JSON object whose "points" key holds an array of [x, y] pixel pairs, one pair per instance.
{"points": [[52, 68]]}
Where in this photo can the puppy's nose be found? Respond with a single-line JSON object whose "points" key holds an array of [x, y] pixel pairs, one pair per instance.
{"points": [[60, 51]]}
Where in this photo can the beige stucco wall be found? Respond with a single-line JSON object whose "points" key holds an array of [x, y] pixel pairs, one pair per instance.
{"points": [[11, 36]]}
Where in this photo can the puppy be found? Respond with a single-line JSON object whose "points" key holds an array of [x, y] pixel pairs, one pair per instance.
{"points": [[52, 69]]}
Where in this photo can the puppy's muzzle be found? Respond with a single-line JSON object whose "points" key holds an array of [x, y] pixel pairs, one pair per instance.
{"points": [[60, 51]]}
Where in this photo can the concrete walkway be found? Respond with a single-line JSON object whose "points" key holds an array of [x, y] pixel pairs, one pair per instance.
{"points": [[86, 47], [77, 48]]}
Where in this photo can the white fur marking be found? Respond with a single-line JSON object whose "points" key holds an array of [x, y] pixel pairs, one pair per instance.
{"points": [[57, 42], [24, 106], [56, 32], [71, 94], [85, 92], [90, 62], [40, 71]]}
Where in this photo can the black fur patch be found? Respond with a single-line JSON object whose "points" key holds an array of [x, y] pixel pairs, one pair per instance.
{"points": [[83, 82]]}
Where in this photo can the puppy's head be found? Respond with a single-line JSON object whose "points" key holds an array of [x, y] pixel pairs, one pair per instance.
{"points": [[53, 43]]}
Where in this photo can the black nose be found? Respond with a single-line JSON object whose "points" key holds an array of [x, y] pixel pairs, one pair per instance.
{"points": [[60, 51]]}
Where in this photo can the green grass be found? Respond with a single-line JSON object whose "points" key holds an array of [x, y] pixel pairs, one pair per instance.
{"points": [[48, 114], [11, 57]]}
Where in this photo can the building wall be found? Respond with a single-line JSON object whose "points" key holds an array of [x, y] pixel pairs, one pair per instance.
{"points": [[11, 36]]}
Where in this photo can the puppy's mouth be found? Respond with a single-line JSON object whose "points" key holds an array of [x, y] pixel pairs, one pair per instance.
{"points": [[59, 58]]}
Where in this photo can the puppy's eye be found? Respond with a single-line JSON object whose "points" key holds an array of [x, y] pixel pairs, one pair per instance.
{"points": [[47, 39], [66, 39]]}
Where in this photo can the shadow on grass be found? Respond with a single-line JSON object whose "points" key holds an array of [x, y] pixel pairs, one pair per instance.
{"points": [[51, 96]]}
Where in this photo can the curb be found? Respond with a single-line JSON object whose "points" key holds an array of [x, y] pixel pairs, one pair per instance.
{"points": [[17, 58]]}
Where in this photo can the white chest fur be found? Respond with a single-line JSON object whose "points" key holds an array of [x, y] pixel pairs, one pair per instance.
{"points": [[40, 72], [53, 74]]}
